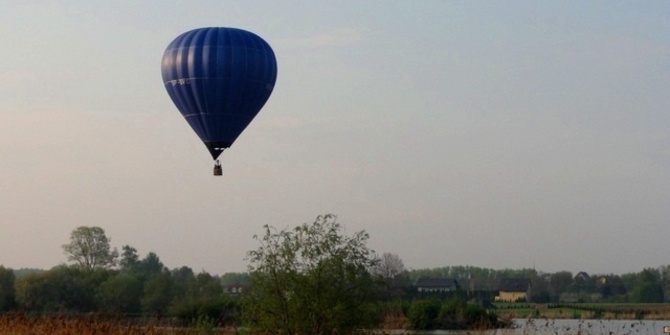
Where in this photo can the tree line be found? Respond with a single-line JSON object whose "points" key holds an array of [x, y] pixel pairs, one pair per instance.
{"points": [[647, 286], [101, 280], [146, 287], [309, 279]]}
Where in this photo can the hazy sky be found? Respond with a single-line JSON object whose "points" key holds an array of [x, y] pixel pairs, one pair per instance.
{"points": [[498, 134]]}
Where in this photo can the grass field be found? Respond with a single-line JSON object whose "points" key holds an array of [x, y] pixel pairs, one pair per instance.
{"points": [[585, 311]]}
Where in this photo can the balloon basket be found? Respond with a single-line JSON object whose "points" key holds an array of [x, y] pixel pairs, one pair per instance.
{"points": [[218, 170]]}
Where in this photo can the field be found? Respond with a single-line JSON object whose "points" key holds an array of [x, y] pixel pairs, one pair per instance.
{"points": [[585, 311]]}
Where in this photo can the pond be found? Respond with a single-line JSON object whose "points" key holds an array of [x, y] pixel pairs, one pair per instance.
{"points": [[562, 327]]}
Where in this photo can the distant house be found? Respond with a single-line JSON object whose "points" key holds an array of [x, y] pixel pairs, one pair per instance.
{"points": [[513, 290], [437, 285], [582, 277], [233, 289], [480, 290], [601, 280]]}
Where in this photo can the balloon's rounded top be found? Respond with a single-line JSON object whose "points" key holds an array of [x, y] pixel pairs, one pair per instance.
{"points": [[234, 43], [219, 79]]}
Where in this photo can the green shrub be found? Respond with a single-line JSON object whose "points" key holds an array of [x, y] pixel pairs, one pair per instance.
{"points": [[423, 314], [476, 317], [451, 314], [219, 311]]}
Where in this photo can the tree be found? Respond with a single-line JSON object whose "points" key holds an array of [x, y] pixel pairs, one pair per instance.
{"points": [[7, 291], [648, 288], [89, 247], [423, 314], [130, 260], [392, 271], [61, 289], [235, 278], [540, 291], [389, 266], [157, 293], [200, 298], [33, 293], [151, 265], [311, 280], [183, 283], [158, 284], [611, 287], [120, 294], [559, 283]]}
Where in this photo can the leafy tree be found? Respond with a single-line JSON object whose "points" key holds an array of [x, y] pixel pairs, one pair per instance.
{"points": [[202, 299], [455, 313], [311, 280], [31, 291], [423, 314], [516, 273], [649, 275], [151, 265], [158, 284], [89, 247], [130, 261], [559, 282], [61, 289], [24, 271], [648, 293], [183, 284], [583, 285], [207, 286], [157, 293], [452, 313], [540, 291], [232, 278], [7, 291], [648, 288], [120, 294], [628, 280], [611, 288], [476, 317], [664, 272]]}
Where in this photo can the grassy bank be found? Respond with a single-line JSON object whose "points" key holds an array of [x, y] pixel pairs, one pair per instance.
{"points": [[585, 311]]}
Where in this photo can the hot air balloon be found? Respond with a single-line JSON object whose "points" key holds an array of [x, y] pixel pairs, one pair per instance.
{"points": [[219, 79]]}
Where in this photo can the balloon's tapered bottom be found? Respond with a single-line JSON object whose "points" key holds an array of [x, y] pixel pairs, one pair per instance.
{"points": [[218, 170]]}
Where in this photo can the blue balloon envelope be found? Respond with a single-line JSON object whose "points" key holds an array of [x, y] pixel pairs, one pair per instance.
{"points": [[219, 79]]}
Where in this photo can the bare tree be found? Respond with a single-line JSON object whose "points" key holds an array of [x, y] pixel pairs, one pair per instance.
{"points": [[392, 272], [390, 265]]}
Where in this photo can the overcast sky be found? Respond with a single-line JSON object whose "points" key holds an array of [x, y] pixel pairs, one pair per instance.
{"points": [[498, 134]]}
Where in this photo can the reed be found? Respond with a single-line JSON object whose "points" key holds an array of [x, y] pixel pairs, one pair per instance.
{"points": [[23, 324]]}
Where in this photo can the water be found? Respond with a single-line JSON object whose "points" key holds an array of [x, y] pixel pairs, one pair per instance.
{"points": [[562, 327]]}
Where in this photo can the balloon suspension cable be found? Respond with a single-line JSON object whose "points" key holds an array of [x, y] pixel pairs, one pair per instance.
{"points": [[218, 170]]}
